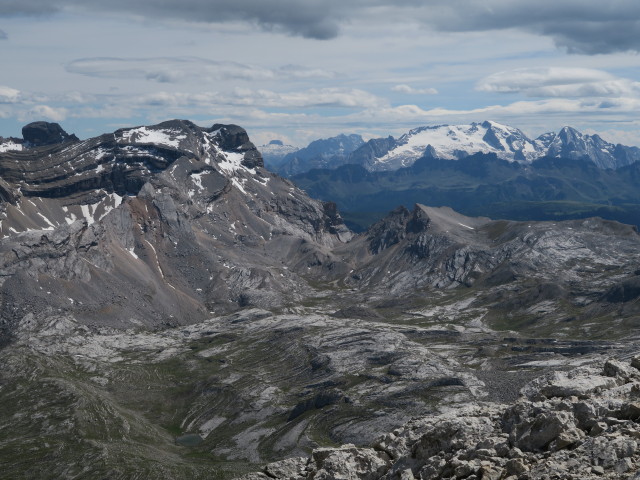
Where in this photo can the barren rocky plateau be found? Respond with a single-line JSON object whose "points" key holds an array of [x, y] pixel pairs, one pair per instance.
{"points": [[171, 309]]}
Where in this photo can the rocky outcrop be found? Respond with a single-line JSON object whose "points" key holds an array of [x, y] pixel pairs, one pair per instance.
{"points": [[569, 425], [438, 247], [38, 134], [367, 154], [570, 143]]}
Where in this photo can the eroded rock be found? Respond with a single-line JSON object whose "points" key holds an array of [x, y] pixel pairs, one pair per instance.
{"points": [[560, 436]]}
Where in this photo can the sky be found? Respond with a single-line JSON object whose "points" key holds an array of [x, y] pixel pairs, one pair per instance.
{"points": [[299, 70]]}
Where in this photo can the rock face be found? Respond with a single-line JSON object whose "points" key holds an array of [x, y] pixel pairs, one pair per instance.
{"points": [[150, 225], [437, 247], [38, 134], [175, 221], [570, 143], [550, 432]]}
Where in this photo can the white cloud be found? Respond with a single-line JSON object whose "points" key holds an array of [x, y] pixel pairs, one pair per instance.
{"points": [[321, 97], [558, 82], [316, 97], [550, 106], [187, 69], [529, 78], [9, 95], [414, 91], [43, 112], [624, 137]]}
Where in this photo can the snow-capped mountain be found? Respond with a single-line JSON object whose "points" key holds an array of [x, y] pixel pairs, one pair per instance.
{"points": [[274, 152], [570, 143], [324, 153], [453, 142], [164, 221]]}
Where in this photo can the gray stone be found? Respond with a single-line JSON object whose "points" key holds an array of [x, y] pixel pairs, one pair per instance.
{"points": [[615, 368], [288, 469], [348, 462], [539, 431], [516, 466]]}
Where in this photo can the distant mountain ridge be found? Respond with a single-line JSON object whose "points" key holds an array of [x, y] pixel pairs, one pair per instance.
{"points": [[454, 142], [324, 153], [482, 184], [275, 152]]}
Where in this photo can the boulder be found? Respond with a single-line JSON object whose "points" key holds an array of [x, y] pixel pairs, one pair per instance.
{"points": [[348, 462]]}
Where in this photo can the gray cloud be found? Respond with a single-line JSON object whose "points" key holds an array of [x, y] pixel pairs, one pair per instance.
{"points": [[29, 7], [184, 69], [409, 90], [3, 35], [311, 19], [580, 27], [243, 97], [559, 82], [576, 25]]}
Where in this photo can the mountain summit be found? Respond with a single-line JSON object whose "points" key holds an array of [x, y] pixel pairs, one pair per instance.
{"points": [[152, 224], [454, 142]]}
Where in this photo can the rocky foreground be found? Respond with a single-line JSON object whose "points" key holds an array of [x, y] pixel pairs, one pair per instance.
{"points": [[577, 424]]}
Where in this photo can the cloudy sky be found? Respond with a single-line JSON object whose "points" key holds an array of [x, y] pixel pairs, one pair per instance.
{"points": [[298, 70]]}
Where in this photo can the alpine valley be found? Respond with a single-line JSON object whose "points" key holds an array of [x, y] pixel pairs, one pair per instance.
{"points": [[478, 169], [172, 309]]}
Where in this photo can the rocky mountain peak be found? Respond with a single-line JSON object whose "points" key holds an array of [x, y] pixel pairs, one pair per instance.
{"points": [[185, 211], [235, 139], [388, 231], [39, 134], [570, 137]]}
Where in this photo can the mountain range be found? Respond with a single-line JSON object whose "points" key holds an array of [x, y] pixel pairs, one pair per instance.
{"points": [[453, 142], [274, 152], [324, 153], [482, 184], [172, 309]]}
